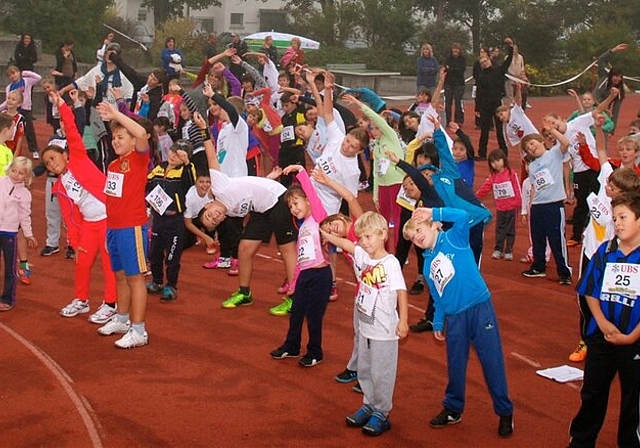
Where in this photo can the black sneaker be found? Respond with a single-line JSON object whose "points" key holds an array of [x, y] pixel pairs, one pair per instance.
{"points": [[356, 388], [70, 254], [565, 281], [346, 376], [417, 288], [422, 326], [308, 361], [49, 250], [532, 273], [444, 418], [505, 426], [281, 353]]}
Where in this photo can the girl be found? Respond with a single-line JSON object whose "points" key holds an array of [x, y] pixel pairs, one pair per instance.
{"points": [[508, 197], [607, 80], [15, 212], [587, 102], [312, 284], [79, 188]]}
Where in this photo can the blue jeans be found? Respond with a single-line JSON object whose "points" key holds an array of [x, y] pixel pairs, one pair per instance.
{"points": [[477, 326]]}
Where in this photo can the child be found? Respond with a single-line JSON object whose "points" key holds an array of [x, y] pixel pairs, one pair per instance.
{"points": [[525, 211], [24, 82], [15, 212], [127, 226], [79, 189], [463, 154], [14, 101], [382, 311], [611, 289], [173, 99], [506, 193], [7, 129], [161, 125], [167, 187], [312, 283], [463, 303], [196, 198]]}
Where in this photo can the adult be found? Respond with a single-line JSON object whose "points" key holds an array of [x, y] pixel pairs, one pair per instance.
{"points": [[294, 54], [241, 49], [427, 70], [454, 83], [105, 43], [172, 59], [608, 79], [25, 54], [517, 70], [66, 64], [270, 50], [490, 85], [210, 47], [484, 52]]}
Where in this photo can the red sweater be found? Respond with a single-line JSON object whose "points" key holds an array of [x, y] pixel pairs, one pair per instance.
{"points": [[506, 190]]}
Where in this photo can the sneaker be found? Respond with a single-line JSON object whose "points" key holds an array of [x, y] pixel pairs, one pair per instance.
{"points": [[508, 256], [238, 299], [70, 254], [153, 288], [76, 307], [169, 294], [532, 273], [356, 388], [422, 326], [35, 155], [284, 288], [573, 243], [132, 339], [565, 281], [49, 250], [417, 288], [333, 296], [377, 425], [218, 263], [496, 255], [6, 306], [505, 426], [284, 309], [281, 353], [579, 354], [360, 417], [363, 185], [234, 268], [308, 361], [114, 326], [25, 276], [444, 418], [103, 314], [346, 376]]}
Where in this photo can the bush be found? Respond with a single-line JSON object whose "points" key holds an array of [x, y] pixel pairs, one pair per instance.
{"points": [[376, 59], [189, 41]]}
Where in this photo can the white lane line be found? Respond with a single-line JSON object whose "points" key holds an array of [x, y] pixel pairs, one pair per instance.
{"points": [[525, 359], [82, 406]]}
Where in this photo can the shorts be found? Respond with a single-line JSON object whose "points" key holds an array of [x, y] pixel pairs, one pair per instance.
{"points": [[128, 249], [277, 220]]}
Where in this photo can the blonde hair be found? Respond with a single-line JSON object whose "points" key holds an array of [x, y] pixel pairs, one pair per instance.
{"points": [[371, 222], [630, 141], [27, 164], [411, 226]]}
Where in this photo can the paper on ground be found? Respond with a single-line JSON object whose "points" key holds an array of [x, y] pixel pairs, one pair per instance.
{"points": [[561, 374]]}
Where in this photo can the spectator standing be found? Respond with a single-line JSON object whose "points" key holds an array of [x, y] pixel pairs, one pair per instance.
{"points": [[172, 59], [454, 84], [25, 54], [427, 70], [210, 47]]}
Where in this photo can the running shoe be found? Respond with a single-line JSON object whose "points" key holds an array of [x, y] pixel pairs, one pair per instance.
{"points": [[25, 276], [74, 308], [218, 263], [114, 326], [238, 299], [444, 418], [132, 339], [579, 354], [234, 268], [284, 309], [103, 314]]}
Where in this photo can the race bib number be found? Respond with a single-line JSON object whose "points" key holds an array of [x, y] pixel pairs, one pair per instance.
{"points": [[542, 179], [600, 211], [287, 134], [73, 187], [405, 201], [622, 278], [383, 166], [159, 200], [366, 299], [306, 249], [503, 190], [113, 187], [441, 272]]}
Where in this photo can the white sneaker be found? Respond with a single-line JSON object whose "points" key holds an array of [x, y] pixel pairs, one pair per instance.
{"points": [[114, 326], [76, 307], [496, 255], [103, 314], [132, 339]]}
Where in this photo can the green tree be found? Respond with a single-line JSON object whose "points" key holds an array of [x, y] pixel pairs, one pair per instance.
{"points": [[387, 23], [164, 10]]}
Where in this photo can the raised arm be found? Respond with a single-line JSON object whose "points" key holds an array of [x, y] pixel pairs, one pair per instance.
{"points": [[108, 112], [209, 148], [355, 209]]}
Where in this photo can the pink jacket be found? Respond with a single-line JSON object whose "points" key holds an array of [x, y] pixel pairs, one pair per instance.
{"points": [[15, 207], [506, 190]]}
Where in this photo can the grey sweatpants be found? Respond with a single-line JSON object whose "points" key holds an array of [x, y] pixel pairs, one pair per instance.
{"points": [[377, 367]]}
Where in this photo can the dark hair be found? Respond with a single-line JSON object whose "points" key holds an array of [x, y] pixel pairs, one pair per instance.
{"points": [[286, 97], [55, 148], [616, 71], [428, 149], [162, 122], [294, 190], [160, 75], [630, 200], [168, 39], [407, 134], [495, 155], [6, 121], [248, 78]]}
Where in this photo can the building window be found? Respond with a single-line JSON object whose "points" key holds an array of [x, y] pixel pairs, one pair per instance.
{"points": [[142, 15], [236, 19], [207, 25]]}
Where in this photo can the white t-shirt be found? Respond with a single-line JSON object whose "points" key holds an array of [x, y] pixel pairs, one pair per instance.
{"points": [[518, 126], [581, 123], [242, 195], [377, 299], [600, 227], [426, 127], [232, 144], [338, 167], [89, 80], [91, 208], [193, 202]]}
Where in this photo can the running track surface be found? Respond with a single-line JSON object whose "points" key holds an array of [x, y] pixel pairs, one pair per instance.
{"points": [[206, 377]]}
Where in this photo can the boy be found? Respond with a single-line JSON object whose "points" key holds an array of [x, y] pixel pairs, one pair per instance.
{"points": [[382, 310], [7, 128], [197, 197], [611, 287], [127, 226], [463, 302]]}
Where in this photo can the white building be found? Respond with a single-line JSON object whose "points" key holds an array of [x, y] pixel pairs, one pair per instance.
{"points": [[240, 16]]}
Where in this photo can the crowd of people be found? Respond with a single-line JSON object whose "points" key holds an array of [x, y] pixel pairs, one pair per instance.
{"points": [[140, 168]]}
